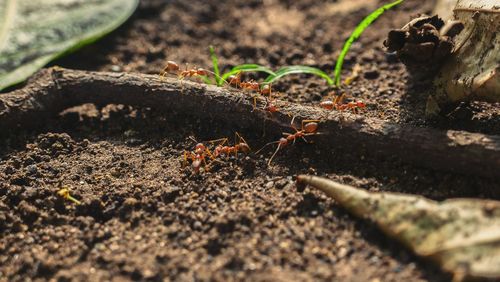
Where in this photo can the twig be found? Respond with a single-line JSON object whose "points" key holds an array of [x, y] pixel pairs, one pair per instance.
{"points": [[56, 89]]}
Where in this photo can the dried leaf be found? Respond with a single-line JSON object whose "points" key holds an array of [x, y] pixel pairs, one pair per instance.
{"points": [[461, 235]]}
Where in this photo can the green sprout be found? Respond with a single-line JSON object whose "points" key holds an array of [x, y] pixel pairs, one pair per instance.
{"points": [[273, 76], [247, 68], [215, 63], [64, 193], [297, 70], [364, 24], [221, 79], [288, 70]]}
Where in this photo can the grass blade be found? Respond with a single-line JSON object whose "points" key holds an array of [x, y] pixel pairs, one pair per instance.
{"points": [[247, 68], [298, 70], [205, 79], [215, 63], [365, 23]]}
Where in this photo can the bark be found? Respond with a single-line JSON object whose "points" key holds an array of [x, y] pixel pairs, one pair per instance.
{"points": [[458, 49], [462, 236], [472, 72], [56, 89]]}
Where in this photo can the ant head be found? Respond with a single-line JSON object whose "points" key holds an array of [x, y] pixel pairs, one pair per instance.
{"points": [[218, 150], [199, 148], [234, 80], [201, 71], [310, 127], [266, 89], [244, 147], [328, 105], [272, 108], [360, 104], [172, 66]]}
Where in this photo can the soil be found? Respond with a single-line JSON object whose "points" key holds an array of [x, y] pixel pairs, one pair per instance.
{"points": [[144, 216]]}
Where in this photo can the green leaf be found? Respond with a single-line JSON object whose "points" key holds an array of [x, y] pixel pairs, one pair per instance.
{"points": [[365, 23], [35, 32], [215, 63], [247, 68], [297, 70], [205, 79]]}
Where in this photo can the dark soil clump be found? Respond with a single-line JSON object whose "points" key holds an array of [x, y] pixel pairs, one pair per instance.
{"points": [[143, 216]]}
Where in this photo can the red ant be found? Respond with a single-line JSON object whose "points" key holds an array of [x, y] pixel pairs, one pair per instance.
{"points": [[271, 107], [253, 85], [250, 85], [308, 128], [235, 80], [169, 68], [193, 72], [264, 90], [173, 67], [198, 156], [353, 106], [240, 146], [338, 104]]}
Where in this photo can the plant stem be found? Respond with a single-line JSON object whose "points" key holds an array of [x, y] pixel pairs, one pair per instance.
{"points": [[365, 23]]}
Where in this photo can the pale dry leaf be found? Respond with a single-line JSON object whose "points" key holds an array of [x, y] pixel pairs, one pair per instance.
{"points": [[461, 235]]}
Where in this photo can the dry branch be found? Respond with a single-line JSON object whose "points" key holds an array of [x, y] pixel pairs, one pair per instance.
{"points": [[56, 89]]}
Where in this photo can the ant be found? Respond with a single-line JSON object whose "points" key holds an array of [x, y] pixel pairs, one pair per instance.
{"points": [[308, 127], [235, 80], [271, 107], [337, 103], [266, 89], [193, 72], [198, 156], [250, 85], [240, 146], [173, 67], [353, 106]]}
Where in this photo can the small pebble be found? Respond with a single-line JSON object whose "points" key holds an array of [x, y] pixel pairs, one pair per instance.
{"points": [[269, 185]]}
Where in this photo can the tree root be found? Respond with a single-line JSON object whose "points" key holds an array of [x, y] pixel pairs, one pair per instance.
{"points": [[56, 89]]}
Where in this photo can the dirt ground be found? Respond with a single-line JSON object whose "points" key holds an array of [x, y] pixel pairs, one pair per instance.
{"points": [[145, 217]]}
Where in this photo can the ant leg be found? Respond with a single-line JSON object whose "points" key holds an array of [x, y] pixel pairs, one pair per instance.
{"points": [[309, 134], [181, 80], [341, 98], [292, 125], [224, 140], [209, 154], [270, 143], [272, 157], [242, 139], [186, 156], [235, 144], [305, 140], [254, 103], [193, 139], [205, 165], [163, 74]]}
